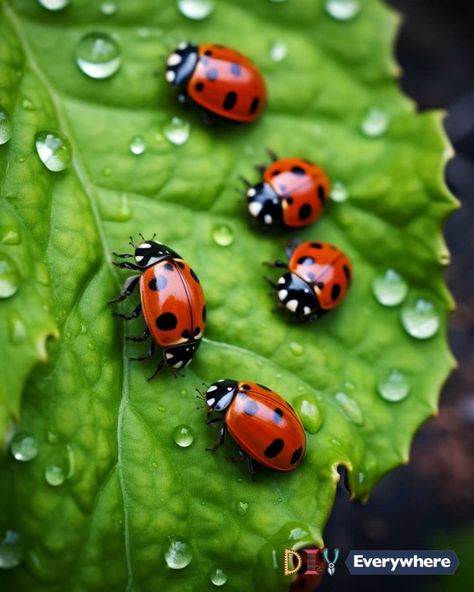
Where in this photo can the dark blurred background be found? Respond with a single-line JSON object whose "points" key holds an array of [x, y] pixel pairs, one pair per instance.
{"points": [[429, 503]]}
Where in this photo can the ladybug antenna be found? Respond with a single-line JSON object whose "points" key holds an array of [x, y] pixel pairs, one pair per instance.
{"points": [[141, 236], [154, 236], [272, 154], [130, 242], [201, 395], [245, 181]]}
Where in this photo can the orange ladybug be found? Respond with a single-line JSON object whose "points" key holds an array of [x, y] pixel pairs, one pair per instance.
{"points": [[221, 80], [264, 426], [292, 194], [318, 279], [171, 299]]}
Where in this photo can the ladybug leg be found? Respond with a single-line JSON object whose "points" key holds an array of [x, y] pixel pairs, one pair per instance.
{"points": [[251, 466], [214, 420], [122, 255], [127, 290], [245, 181], [159, 366], [142, 338], [260, 168], [272, 283], [124, 265], [272, 154], [276, 263], [220, 439], [134, 314], [149, 354]]}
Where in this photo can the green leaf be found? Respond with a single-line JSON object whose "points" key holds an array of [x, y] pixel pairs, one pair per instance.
{"points": [[128, 492]]}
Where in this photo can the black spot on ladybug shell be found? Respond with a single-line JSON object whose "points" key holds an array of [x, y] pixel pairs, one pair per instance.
{"points": [[277, 415], [296, 455], [194, 276], [347, 271], [235, 69], [306, 260], [212, 74], [254, 105], [199, 86], [289, 200], [204, 313], [275, 173], [305, 211], [186, 334], [246, 387], [167, 321], [335, 291], [321, 194], [320, 285], [250, 407], [208, 52], [230, 100], [180, 264], [316, 245], [297, 170], [274, 448], [197, 330], [168, 266], [158, 283]]}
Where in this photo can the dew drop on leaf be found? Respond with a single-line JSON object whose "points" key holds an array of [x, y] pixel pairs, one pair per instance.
{"points": [[223, 235], [375, 123], [9, 235], [108, 8], [351, 408], [98, 55], [183, 435], [18, 332], [24, 447], [178, 554], [10, 550], [309, 412], [53, 150], [9, 277], [177, 131], [242, 507], [54, 4], [278, 51], [420, 319], [393, 386], [196, 10], [343, 10], [137, 145], [54, 475], [218, 577], [296, 348], [5, 126], [389, 288], [339, 192]]}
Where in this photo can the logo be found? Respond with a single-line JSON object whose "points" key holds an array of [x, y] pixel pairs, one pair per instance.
{"points": [[317, 561], [397, 563], [330, 563]]}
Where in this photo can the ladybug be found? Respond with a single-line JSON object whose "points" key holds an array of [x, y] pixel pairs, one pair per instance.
{"points": [[264, 426], [171, 299], [292, 194], [221, 80], [318, 279]]}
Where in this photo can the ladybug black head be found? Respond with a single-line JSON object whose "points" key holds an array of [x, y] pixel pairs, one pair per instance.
{"points": [[220, 394], [297, 296], [264, 204], [180, 356], [181, 63], [150, 252]]}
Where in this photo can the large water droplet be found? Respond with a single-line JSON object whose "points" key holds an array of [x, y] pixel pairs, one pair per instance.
{"points": [[218, 577], [339, 192], [296, 348], [9, 277], [53, 150], [375, 123], [223, 235], [393, 386], [178, 554], [308, 409], [54, 475], [177, 131], [183, 436], [10, 550], [54, 4], [390, 289], [278, 51], [350, 408], [196, 10], [343, 10], [242, 507], [420, 319], [108, 8], [5, 126], [98, 55], [9, 235], [24, 447], [137, 145]]}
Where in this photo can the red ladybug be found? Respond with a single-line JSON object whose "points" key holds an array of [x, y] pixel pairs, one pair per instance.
{"points": [[318, 279], [293, 193], [263, 424], [172, 302], [220, 80]]}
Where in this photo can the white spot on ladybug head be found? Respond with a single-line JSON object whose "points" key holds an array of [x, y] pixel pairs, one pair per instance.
{"points": [[138, 258], [292, 305], [212, 388], [174, 59], [251, 192], [144, 246], [281, 281], [306, 310], [188, 362], [282, 294], [170, 76], [267, 219], [306, 290], [178, 364], [211, 402], [182, 45], [255, 208], [221, 380], [169, 356]]}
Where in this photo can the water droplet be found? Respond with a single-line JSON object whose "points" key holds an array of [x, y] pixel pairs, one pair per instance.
{"points": [[5, 126], [278, 51], [54, 4], [27, 105], [196, 10], [339, 192], [52, 437], [10, 550], [242, 507], [178, 555], [9, 277], [161, 408], [9, 235], [107, 172], [296, 348], [91, 346], [420, 319], [218, 577], [98, 55], [183, 393], [445, 258], [183, 436], [343, 10], [18, 331], [137, 145], [24, 447], [309, 412], [54, 475], [350, 408], [108, 8], [393, 386], [223, 235], [375, 123], [177, 131], [53, 150], [390, 289]]}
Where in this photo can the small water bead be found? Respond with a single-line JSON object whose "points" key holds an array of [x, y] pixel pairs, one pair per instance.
{"points": [[339, 192], [343, 10], [178, 554], [108, 8], [54, 475], [351, 408], [296, 348], [196, 10], [390, 289], [53, 150], [242, 507], [183, 436], [420, 319], [98, 55], [223, 235], [52, 437], [177, 131], [278, 51], [9, 235], [18, 332], [375, 123], [54, 4], [9, 277], [393, 386], [5, 126], [218, 577], [309, 412], [24, 448], [137, 145], [10, 550]]}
